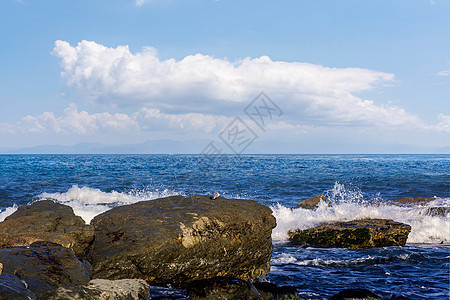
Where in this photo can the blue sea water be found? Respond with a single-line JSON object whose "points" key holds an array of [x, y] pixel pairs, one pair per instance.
{"points": [[358, 186]]}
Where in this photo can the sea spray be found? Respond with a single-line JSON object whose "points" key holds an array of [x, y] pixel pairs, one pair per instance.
{"points": [[7, 211], [88, 202], [348, 205]]}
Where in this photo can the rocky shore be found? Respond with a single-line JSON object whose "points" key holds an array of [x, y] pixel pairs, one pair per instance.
{"points": [[168, 248]]}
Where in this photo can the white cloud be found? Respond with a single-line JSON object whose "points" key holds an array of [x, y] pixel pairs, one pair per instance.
{"points": [[444, 73], [82, 123], [140, 2], [309, 94], [71, 122], [444, 123]]}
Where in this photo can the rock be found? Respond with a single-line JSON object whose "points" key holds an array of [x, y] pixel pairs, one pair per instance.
{"points": [[102, 289], [313, 202], [177, 240], [269, 291], [438, 211], [415, 201], [12, 288], [222, 288], [357, 234], [46, 221], [355, 294], [44, 266]]}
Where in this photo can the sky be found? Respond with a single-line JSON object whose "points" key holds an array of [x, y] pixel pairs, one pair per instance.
{"points": [[317, 75]]}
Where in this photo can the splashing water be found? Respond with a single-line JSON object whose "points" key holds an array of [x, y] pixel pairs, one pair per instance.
{"points": [[7, 211], [88, 202], [347, 205]]}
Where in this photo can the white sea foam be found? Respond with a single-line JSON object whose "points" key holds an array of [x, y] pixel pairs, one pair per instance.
{"points": [[350, 206], [7, 211], [286, 258], [88, 202]]}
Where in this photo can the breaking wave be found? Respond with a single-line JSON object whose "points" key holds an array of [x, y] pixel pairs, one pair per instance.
{"points": [[429, 224], [88, 202]]}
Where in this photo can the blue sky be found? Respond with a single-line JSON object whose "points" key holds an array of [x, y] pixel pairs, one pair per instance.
{"points": [[346, 72]]}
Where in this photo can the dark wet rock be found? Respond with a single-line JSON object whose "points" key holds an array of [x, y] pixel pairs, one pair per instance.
{"points": [[313, 202], [44, 266], [103, 289], [177, 240], [269, 291], [222, 288], [46, 221], [355, 294], [87, 266], [414, 201], [357, 234], [437, 211], [12, 288]]}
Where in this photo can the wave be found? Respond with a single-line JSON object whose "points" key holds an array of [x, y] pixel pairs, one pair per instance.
{"points": [[427, 226], [7, 211], [286, 258], [88, 202]]}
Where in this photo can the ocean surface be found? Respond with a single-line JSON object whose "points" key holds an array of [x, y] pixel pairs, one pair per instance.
{"points": [[358, 186]]}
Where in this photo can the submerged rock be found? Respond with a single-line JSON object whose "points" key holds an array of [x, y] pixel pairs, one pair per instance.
{"points": [[102, 289], [12, 288], [355, 294], [438, 211], [222, 288], [269, 291], [46, 221], [313, 202], [177, 240], [357, 234], [233, 288], [415, 201], [44, 266]]}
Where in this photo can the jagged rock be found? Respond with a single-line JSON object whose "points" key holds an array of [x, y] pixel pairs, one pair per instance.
{"points": [[44, 266], [103, 289], [177, 240], [438, 211], [313, 202], [355, 294], [222, 288], [415, 201], [46, 221], [357, 234], [269, 291], [12, 288]]}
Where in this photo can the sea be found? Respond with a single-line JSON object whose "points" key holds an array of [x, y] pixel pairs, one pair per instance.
{"points": [[358, 186]]}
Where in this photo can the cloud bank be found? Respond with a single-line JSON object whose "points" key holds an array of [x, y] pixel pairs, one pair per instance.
{"points": [[310, 94], [77, 122]]}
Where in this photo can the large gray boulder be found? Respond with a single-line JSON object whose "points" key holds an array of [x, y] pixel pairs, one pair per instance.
{"points": [[357, 234], [46, 221], [103, 289], [44, 266], [177, 240]]}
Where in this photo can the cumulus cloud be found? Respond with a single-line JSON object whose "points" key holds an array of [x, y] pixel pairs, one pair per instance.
{"points": [[444, 123], [309, 94], [77, 122], [140, 2], [72, 121]]}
